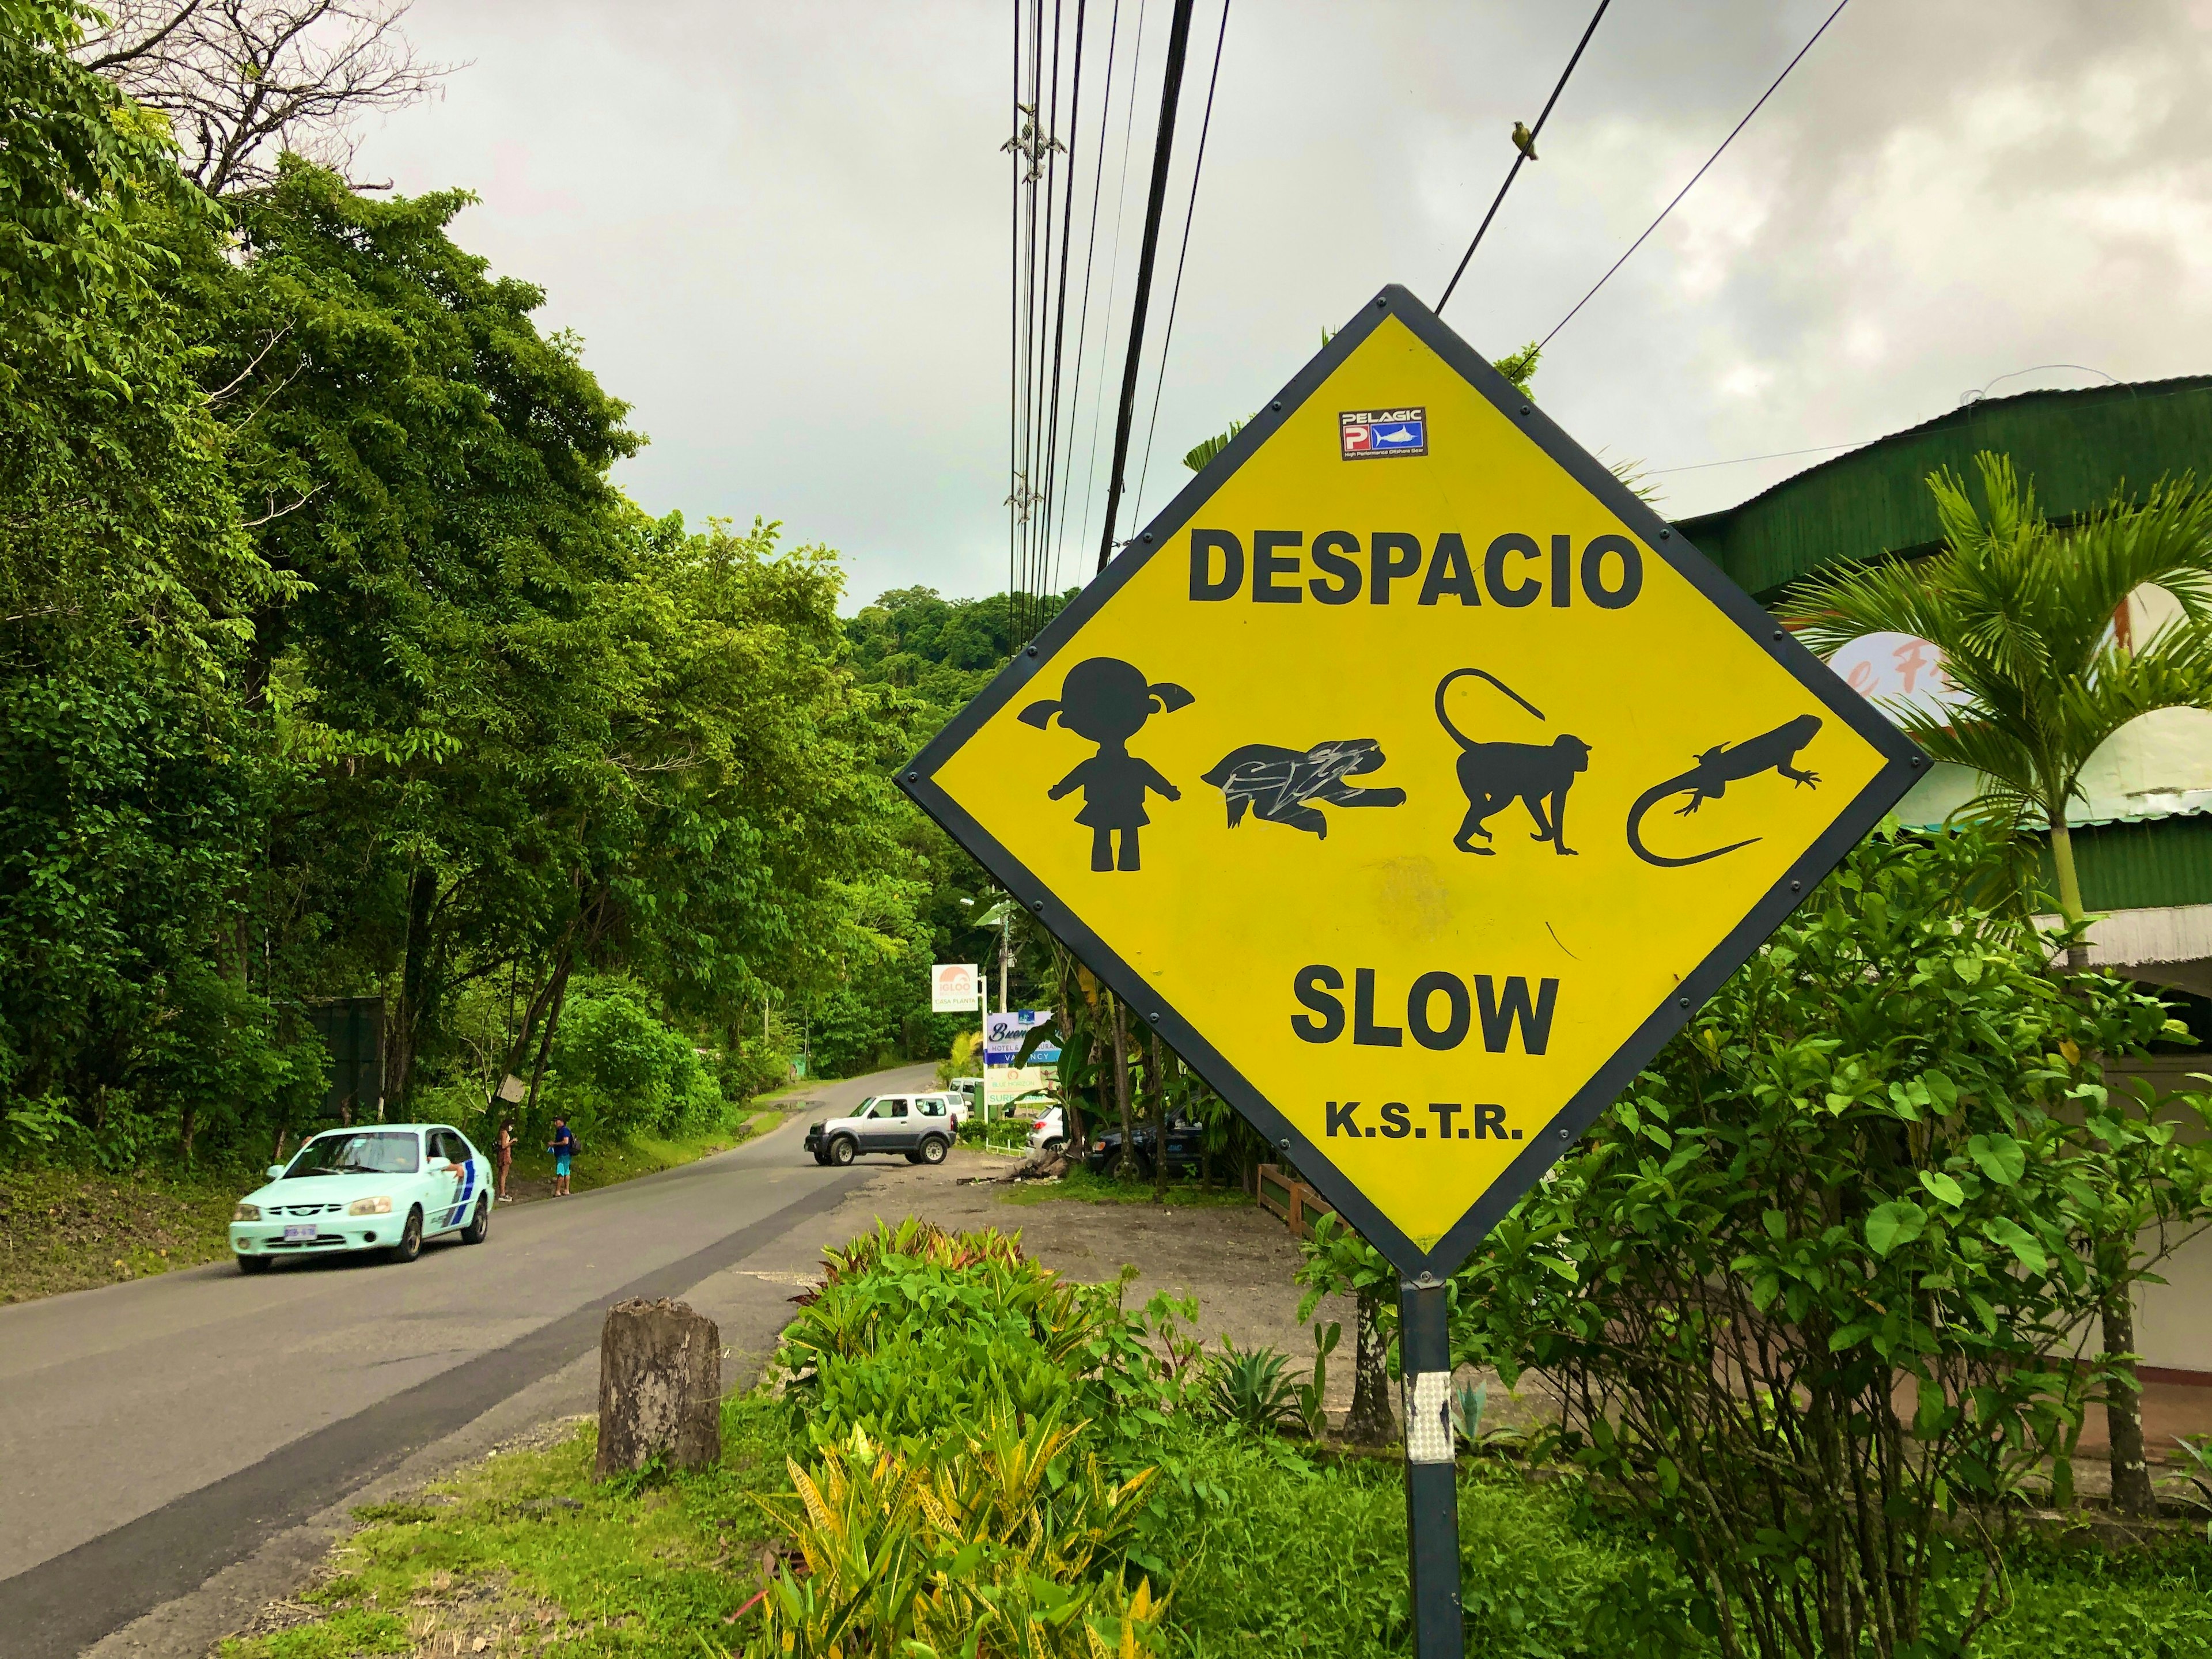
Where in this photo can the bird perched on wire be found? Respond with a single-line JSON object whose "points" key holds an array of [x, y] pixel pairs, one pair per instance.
{"points": [[1524, 140]]}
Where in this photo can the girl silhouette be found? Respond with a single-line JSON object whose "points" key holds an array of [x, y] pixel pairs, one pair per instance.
{"points": [[1107, 700]]}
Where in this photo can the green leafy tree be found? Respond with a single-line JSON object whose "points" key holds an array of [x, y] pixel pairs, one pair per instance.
{"points": [[130, 789], [2022, 612], [1812, 1292]]}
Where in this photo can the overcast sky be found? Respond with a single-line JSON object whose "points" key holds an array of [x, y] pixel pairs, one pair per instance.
{"points": [[783, 230]]}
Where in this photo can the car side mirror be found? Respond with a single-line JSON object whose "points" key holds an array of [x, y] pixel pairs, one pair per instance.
{"points": [[275, 1172]]}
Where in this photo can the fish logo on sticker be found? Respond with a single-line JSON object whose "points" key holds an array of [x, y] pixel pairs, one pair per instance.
{"points": [[1367, 434]]}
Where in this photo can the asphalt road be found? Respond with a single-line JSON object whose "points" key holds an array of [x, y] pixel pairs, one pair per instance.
{"points": [[154, 1433]]}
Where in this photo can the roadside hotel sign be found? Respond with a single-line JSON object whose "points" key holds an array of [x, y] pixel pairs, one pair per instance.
{"points": [[1415, 781], [955, 987]]}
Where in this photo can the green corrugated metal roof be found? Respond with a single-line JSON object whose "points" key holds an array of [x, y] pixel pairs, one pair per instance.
{"points": [[2078, 448], [2131, 867]]}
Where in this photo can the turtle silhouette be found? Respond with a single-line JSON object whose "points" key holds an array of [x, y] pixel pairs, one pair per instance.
{"points": [[1276, 784], [1109, 700]]}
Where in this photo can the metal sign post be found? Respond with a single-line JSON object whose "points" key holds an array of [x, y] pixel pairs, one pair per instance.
{"points": [[1415, 781], [1431, 1468]]}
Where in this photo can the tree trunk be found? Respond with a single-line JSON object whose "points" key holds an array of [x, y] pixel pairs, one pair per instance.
{"points": [[559, 986], [1124, 1164], [2069, 886], [2131, 1489], [405, 1031], [1369, 1423], [1159, 1087], [660, 1387]]}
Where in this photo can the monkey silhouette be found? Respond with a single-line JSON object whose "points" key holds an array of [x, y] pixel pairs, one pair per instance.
{"points": [[1108, 701], [1492, 774]]}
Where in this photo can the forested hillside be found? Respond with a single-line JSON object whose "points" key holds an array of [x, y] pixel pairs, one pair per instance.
{"points": [[332, 664]]}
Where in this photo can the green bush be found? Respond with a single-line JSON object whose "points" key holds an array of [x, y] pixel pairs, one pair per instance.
{"points": [[1816, 1281], [619, 1070], [1267, 1549], [919, 1334]]}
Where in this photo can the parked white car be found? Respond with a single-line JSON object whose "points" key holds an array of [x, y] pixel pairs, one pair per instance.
{"points": [[956, 1105], [1049, 1134]]}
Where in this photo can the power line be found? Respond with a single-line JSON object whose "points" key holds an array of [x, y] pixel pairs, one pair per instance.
{"points": [[1521, 156], [1046, 560], [1699, 173], [1174, 296], [1162, 148], [1047, 146], [1740, 460], [1014, 331], [1114, 268], [1083, 317]]}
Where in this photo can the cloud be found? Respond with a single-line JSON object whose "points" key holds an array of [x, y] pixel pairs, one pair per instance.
{"points": [[783, 231]]}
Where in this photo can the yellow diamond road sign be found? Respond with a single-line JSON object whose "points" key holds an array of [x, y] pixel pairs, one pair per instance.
{"points": [[1413, 780]]}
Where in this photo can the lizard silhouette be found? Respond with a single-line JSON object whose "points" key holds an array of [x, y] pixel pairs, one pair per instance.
{"points": [[1719, 767]]}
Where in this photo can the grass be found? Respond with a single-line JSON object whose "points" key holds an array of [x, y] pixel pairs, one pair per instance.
{"points": [[1267, 1550], [523, 1549], [70, 1230], [606, 1165], [63, 1228], [1081, 1185]]}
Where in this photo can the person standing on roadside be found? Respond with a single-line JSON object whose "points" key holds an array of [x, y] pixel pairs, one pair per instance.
{"points": [[506, 1158], [563, 1150]]}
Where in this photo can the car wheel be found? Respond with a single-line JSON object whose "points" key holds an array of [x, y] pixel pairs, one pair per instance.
{"points": [[254, 1264], [479, 1227], [411, 1239], [841, 1151], [933, 1149], [1055, 1144]]}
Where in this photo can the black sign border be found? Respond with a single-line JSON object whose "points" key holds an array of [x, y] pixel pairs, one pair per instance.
{"points": [[1903, 764]]}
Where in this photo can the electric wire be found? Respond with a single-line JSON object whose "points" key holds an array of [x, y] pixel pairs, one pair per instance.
{"points": [[1045, 112], [1089, 253], [1522, 155], [1148, 254], [1046, 566], [1174, 296], [1114, 270], [1699, 173], [1014, 326]]}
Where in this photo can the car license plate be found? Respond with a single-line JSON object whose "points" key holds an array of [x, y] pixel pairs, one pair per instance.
{"points": [[302, 1234]]}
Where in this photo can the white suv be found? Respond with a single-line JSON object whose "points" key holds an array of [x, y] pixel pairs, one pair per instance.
{"points": [[920, 1126]]}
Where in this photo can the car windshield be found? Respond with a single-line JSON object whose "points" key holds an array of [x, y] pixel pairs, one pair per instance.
{"points": [[865, 1109], [377, 1151]]}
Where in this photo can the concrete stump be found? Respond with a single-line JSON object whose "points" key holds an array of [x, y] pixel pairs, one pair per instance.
{"points": [[660, 1386]]}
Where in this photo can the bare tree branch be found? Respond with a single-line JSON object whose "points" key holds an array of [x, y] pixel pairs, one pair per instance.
{"points": [[242, 81], [267, 346], [275, 512]]}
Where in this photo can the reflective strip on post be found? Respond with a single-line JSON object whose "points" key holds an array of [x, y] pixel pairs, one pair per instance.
{"points": [[1428, 1418]]}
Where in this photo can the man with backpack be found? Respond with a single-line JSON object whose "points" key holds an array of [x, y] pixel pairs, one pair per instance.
{"points": [[563, 1150]]}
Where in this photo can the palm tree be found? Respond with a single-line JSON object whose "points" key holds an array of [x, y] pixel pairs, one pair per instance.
{"points": [[2022, 612]]}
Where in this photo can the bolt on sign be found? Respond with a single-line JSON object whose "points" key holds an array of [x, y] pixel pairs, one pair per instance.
{"points": [[1414, 780]]}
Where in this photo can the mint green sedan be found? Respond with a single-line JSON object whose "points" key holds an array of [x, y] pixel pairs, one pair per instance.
{"points": [[386, 1188]]}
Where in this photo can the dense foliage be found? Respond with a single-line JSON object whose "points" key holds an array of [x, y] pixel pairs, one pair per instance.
{"points": [[1825, 1279], [333, 665]]}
